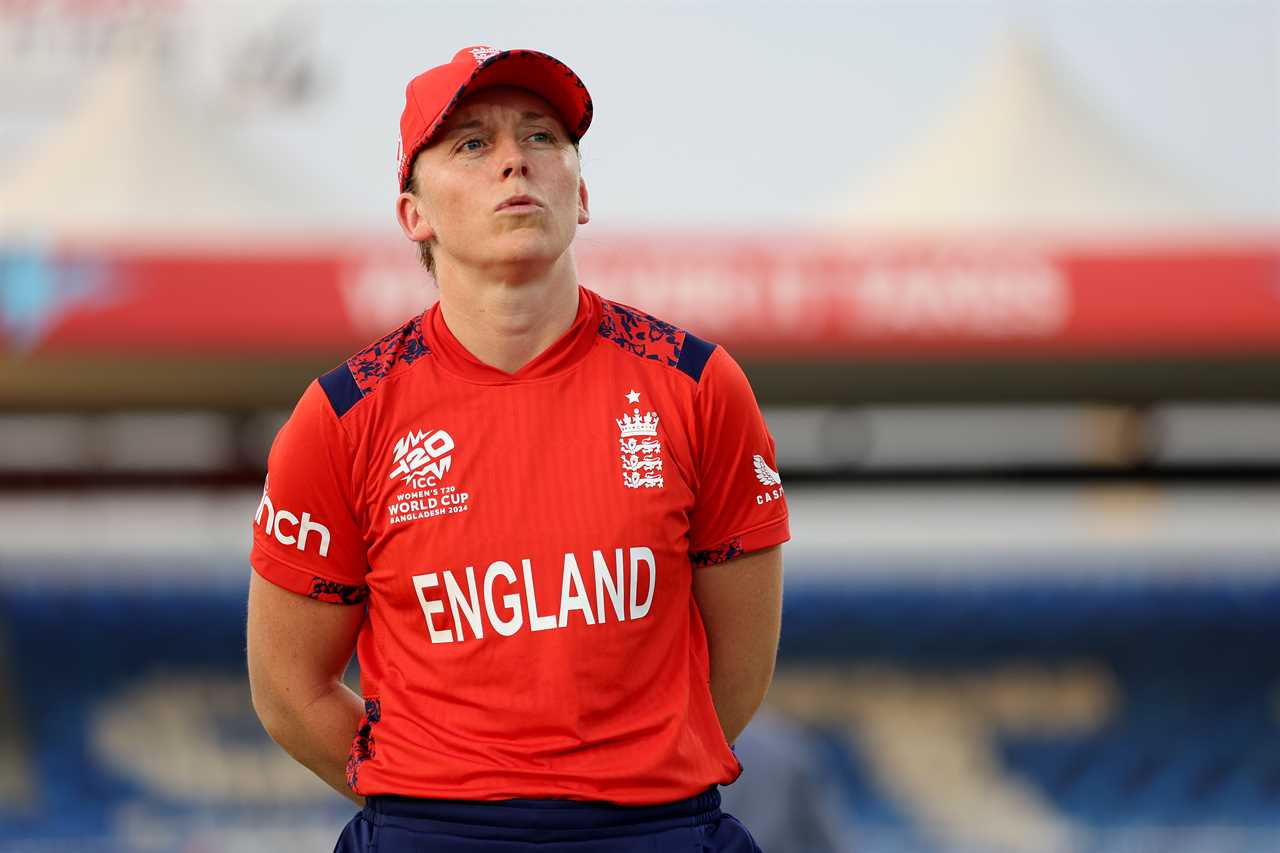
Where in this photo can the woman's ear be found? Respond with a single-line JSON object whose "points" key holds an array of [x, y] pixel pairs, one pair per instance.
{"points": [[411, 213], [584, 212]]}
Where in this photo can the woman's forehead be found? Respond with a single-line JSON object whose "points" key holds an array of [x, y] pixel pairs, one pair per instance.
{"points": [[502, 102]]}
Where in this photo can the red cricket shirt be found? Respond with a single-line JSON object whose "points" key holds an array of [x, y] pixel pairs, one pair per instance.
{"points": [[526, 544]]}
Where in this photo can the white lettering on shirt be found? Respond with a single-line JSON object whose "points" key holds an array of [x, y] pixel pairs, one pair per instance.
{"points": [[578, 600], [422, 583], [642, 555], [605, 581], [624, 590], [536, 622], [303, 527], [505, 627], [468, 606]]}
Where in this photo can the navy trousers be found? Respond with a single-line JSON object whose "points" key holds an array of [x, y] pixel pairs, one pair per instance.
{"points": [[406, 825]]}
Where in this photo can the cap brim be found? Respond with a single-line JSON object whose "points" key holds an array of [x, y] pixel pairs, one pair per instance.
{"points": [[533, 70]]}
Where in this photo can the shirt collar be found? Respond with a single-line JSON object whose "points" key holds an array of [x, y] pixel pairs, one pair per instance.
{"points": [[564, 353]]}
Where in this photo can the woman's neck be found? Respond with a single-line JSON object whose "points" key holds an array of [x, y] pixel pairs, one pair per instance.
{"points": [[506, 324]]}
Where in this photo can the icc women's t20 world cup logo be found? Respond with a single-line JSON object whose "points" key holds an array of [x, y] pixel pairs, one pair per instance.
{"points": [[422, 458]]}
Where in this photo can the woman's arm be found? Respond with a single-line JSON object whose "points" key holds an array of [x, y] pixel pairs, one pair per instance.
{"points": [[741, 605], [298, 651]]}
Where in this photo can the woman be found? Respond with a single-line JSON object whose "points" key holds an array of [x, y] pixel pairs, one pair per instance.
{"points": [[550, 523]]}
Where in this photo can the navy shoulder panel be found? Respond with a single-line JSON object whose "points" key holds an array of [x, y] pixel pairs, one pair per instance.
{"points": [[647, 337], [694, 353], [341, 389], [358, 376]]}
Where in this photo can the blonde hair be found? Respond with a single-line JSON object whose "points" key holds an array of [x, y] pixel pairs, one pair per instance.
{"points": [[424, 246]]}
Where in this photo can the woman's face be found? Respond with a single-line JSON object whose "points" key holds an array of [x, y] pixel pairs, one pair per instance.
{"points": [[500, 185]]}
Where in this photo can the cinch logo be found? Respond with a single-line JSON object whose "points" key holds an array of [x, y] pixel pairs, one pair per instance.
{"points": [[421, 458], [301, 527]]}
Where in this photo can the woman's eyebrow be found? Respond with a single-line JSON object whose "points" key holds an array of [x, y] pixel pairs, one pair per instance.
{"points": [[466, 125]]}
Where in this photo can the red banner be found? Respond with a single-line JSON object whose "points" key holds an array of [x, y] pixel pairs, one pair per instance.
{"points": [[760, 297]]}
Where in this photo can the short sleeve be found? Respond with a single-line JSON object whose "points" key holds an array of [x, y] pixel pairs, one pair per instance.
{"points": [[739, 505], [305, 535]]}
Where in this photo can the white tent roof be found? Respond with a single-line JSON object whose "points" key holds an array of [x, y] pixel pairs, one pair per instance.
{"points": [[1019, 152], [136, 163]]}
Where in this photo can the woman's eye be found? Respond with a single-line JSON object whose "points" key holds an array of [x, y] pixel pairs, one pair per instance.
{"points": [[540, 136], [471, 145]]}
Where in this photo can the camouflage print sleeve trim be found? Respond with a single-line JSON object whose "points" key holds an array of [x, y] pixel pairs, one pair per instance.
{"points": [[645, 336], [357, 377], [376, 361], [363, 747], [331, 592], [716, 556]]}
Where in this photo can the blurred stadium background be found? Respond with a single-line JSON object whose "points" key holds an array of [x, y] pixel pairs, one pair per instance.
{"points": [[1020, 351]]}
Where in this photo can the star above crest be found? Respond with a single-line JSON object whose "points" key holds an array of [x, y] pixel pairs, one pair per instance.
{"points": [[633, 396]]}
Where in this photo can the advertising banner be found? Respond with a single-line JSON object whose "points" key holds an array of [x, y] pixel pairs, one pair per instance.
{"points": [[790, 297]]}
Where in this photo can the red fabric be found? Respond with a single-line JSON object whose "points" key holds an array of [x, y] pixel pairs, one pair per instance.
{"points": [[432, 96], [311, 460], [588, 693], [727, 466]]}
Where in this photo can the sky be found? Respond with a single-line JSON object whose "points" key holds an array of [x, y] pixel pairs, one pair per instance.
{"points": [[770, 114]]}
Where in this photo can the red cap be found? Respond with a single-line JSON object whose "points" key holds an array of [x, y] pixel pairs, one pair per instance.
{"points": [[432, 96]]}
